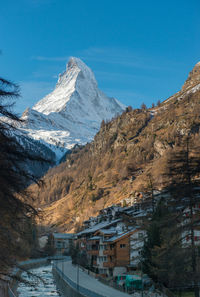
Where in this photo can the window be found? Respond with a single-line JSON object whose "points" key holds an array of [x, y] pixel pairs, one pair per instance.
{"points": [[140, 235], [102, 271], [122, 245], [59, 244]]}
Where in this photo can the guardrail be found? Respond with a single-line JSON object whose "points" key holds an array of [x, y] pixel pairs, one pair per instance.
{"points": [[10, 292], [78, 288]]}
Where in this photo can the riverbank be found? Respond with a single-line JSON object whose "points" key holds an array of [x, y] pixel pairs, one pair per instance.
{"points": [[43, 283], [9, 289]]}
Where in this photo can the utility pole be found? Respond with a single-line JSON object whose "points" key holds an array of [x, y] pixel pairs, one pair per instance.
{"points": [[62, 267], [78, 277], [142, 281]]}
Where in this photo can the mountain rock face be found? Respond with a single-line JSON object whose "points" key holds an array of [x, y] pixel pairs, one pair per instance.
{"points": [[72, 113], [125, 153], [193, 78]]}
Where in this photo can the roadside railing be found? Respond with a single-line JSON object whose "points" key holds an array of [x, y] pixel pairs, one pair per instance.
{"points": [[78, 288], [10, 292]]}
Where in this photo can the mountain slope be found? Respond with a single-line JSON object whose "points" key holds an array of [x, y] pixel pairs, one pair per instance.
{"points": [[72, 113], [119, 160]]}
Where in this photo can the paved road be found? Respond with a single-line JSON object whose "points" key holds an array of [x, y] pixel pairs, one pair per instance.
{"points": [[88, 281]]}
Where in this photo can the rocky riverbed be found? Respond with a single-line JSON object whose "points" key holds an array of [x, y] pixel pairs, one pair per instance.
{"points": [[42, 283]]}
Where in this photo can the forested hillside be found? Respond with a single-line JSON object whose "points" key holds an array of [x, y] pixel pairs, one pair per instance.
{"points": [[124, 153]]}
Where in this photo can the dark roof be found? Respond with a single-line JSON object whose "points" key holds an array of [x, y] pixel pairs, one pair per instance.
{"points": [[63, 235], [98, 227], [119, 236]]}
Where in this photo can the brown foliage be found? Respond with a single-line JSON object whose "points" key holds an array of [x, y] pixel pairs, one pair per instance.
{"points": [[127, 146]]}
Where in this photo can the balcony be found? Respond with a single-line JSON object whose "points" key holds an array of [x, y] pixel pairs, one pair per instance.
{"points": [[94, 242], [109, 252], [93, 252], [108, 264]]}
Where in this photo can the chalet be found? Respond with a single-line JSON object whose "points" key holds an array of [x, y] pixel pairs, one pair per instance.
{"points": [[117, 252], [113, 246], [83, 236], [186, 234], [91, 230], [186, 237], [110, 251], [96, 249]]}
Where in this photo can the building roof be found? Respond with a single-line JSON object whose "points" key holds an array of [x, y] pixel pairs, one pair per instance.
{"points": [[63, 235], [98, 227], [119, 236], [108, 231], [141, 214], [94, 238]]}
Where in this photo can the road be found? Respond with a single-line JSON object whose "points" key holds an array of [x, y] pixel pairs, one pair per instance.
{"points": [[88, 282]]}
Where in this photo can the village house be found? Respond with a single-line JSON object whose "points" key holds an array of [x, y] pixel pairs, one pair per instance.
{"points": [[185, 223], [113, 240], [186, 237], [112, 252], [136, 245], [61, 242], [83, 236]]}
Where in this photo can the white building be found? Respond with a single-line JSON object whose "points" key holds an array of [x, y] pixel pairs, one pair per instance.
{"points": [[136, 245]]}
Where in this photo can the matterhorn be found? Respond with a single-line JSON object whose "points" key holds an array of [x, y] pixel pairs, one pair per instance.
{"points": [[72, 113]]}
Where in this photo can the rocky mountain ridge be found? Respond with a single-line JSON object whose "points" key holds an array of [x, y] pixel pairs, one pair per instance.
{"points": [[193, 78]]}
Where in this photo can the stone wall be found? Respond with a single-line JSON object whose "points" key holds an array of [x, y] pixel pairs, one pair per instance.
{"points": [[64, 286]]}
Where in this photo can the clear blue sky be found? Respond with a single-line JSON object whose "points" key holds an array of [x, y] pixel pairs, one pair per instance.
{"points": [[140, 51]]}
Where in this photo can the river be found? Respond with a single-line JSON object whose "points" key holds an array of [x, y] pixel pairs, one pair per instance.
{"points": [[45, 288]]}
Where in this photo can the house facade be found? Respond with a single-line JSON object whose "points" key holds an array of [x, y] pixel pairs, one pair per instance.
{"points": [[109, 250], [61, 242], [113, 240]]}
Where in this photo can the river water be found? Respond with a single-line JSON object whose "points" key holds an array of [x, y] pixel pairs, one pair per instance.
{"points": [[41, 288]]}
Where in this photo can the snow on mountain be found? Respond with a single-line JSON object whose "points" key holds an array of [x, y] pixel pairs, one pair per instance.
{"points": [[72, 113]]}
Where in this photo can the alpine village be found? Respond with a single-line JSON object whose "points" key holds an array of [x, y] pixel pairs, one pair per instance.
{"points": [[114, 205]]}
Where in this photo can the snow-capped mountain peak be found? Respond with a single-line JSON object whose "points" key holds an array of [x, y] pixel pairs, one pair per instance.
{"points": [[78, 77], [72, 113]]}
